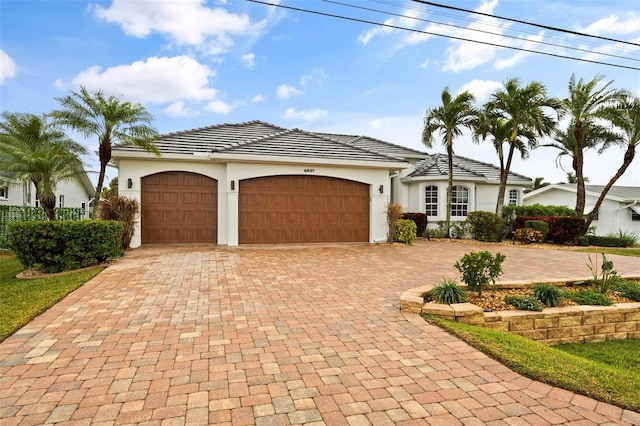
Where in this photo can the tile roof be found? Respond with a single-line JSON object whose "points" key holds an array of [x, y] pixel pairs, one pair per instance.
{"points": [[625, 192], [436, 165], [377, 145]]}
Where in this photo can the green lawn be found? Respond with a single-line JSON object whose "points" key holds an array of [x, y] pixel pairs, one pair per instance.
{"points": [[23, 300], [632, 251], [597, 372]]}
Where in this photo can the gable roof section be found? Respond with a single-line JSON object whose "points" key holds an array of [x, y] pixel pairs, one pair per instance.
{"points": [[436, 165], [299, 143], [207, 139], [616, 193], [377, 145]]}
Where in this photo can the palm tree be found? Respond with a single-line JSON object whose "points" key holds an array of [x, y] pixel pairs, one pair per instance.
{"points": [[448, 120], [33, 150], [588, 105], [499, 128], [628, 121], [524, 110], [111, 120]]}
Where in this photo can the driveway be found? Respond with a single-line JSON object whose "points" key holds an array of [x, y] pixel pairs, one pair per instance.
{"points": [[274, 336]]}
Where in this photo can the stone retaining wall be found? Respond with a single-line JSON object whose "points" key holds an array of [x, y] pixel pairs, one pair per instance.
{"points": [[571, 324]]}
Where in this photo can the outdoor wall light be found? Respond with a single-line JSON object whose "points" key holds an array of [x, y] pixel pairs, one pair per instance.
{"points": [[233, 185], [381, 189], [129, 183]]}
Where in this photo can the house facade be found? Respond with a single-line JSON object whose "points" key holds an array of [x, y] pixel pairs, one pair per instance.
{"points": [[619, 211], [69, 193], [255, 183]]}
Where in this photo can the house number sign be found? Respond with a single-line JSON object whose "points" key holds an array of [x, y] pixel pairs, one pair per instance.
{"points": [[309, 170]]}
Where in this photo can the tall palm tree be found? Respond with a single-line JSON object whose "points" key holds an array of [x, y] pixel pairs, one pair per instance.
{"points": [[490, 124], [524, 110], [448, 120], [628, 121], [111, 120], [589, 104], [33, 150]]}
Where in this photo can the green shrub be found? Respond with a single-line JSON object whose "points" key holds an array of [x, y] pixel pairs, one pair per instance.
{"points": [[562, 229], [528, 236], [405, 231], [430, 233], [536, 210], [630, 239], [524, 303], [448, 291], [459, 229], [64, 245], [626, 288], [485, 226], [583, 240], [10, 214], [539, 225], [588, 296], [122, 209], [609, 275], [609, 241], [479, 269], [549, 294]]}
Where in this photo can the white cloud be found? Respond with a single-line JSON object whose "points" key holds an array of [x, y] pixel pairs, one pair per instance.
{"points": [[407, 20], [285, 91], [156, 80], [177, 109], [316, 75], [218, 107], [308, 115], [629, 23], [249, 60], [185, 22], [7, 66], [258, 98], [481, 89]]}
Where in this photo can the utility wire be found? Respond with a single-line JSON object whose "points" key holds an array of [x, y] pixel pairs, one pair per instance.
{"points": [[364, 21], [546, 27], [480, 31]]}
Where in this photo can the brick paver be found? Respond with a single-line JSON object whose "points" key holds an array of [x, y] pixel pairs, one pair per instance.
{"points": [[277, 335]]}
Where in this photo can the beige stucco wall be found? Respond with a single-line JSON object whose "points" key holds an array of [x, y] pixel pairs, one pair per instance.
{"points": [[236, 171]]}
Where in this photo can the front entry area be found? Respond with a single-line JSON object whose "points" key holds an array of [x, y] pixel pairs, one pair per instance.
{"points": [[302, 209]]}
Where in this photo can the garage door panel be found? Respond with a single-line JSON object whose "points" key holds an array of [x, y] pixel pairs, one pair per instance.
{"points": [[179, 207], [295, 209]]}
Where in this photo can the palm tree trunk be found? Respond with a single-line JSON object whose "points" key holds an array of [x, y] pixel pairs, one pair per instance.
{"points": [[503, 181], [49, 206], [449, 184], [578, 132], [105, 157], [629, 155]]}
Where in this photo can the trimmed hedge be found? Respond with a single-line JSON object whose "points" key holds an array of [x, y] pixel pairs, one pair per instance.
{"points": [[55, 246], [606, 241], [562, 229], [10, 214], [485, 226], [420, 220], [536, 210]]}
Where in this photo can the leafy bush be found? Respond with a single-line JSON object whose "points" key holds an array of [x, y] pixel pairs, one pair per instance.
{"points": [[630, 238], [448, 291], [10, 214], [626, 288], [479, 269], [549, 294], [527, 236], [562, 229], [394, 213], [588, 296], [459, 229], [431, 233], [524, 303], [64, 245], [583, 240], [405, 231], [485, 226], [420, 219], [609, 241], [124, 210], [538, 225], [609, 275], [536, 210]]}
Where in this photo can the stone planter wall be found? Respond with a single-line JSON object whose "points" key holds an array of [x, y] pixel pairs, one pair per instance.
{"points": [[572, 324]]}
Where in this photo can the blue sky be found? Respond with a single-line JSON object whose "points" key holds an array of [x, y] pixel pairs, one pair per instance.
{"points": [[198, 63]]}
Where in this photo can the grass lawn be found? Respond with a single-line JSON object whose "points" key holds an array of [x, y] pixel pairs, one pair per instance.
{"points": [[598, 372], [633, 251], [23, 300]]}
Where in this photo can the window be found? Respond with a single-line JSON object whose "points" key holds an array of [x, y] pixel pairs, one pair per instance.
{"points": [[635, 213], [459, 201], [61, 203], [514, 197], [431, 200], [37, 200], [4, 192]]}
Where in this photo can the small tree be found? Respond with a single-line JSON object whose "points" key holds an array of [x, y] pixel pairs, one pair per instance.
{"points": [[122, 209], [479, 269], [394, 214]]}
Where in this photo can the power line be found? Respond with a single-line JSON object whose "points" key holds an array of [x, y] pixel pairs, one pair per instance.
{"points": [[480, 31], [521, 49], [546, 27]]}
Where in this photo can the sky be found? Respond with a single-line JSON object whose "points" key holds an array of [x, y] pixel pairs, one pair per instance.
{"points": [[197, 63]]}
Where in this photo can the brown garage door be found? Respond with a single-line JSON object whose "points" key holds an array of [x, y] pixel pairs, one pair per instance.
{"points": [[302, 209], [179, 207]]}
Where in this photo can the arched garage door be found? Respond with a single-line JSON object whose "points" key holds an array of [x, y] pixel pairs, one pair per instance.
{"points": [[179, 207], [302, 209]]}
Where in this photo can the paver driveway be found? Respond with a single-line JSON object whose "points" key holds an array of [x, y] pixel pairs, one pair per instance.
{"points": [[288, 335]]}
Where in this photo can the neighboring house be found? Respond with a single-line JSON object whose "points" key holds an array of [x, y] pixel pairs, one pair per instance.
{"points": [[620, 210], [255, 182], [423, 188], [69, 193]]}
